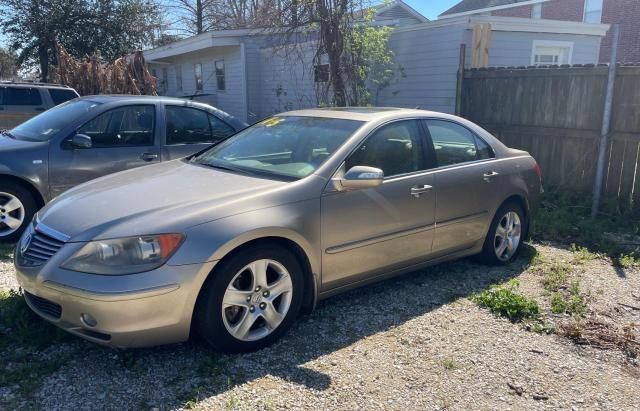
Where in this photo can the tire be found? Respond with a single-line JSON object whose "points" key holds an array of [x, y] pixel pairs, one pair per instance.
{"points": [[494, 242], [234, 282], [12, 195]]}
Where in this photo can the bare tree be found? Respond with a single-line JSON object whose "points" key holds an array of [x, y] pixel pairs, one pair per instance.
{"points": [[190, 17]]}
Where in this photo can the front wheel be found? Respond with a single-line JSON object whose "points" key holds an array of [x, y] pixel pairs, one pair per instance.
{"points": [[17, 208], [505, 235], [251, 299]]}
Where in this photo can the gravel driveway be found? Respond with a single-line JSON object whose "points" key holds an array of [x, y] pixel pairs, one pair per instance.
{"points": [[414, 342]]}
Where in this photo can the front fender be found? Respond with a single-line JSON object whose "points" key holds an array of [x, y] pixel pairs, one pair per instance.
{"points": [[298, 222]]}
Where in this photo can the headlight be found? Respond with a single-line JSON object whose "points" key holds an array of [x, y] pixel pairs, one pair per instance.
{"points": [[124, 255]]}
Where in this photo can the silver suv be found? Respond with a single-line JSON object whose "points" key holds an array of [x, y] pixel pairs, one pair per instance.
{"points": [[21, 101]]}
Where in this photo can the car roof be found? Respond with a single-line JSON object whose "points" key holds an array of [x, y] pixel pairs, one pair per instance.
{"points": [[364, 113], [34, 85]]}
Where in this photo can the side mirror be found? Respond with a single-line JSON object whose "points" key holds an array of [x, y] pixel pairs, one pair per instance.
{"points": [[359, 177], [80, 141]]}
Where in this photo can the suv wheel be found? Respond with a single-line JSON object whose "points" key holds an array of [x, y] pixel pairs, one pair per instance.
{"points": [[251, 299], [17, 207]]}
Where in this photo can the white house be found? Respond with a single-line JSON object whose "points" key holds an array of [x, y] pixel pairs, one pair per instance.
{"points": [[249, 74]]}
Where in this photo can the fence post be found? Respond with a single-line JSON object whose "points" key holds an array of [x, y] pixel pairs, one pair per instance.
{"points": [[460, 79], [606, 122]]}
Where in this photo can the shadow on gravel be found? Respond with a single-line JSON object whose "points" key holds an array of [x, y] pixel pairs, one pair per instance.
{"points": [[180, 375]]}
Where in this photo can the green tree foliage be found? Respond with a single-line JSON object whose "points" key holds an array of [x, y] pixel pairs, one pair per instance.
{"points": [[111, 27]]}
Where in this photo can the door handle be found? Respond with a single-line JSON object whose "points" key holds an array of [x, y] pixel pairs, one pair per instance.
{"points": [[489, 175], [417, 191], [149, 156]]}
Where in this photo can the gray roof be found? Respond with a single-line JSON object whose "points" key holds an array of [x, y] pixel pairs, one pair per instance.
{"points": [[470, 5]]}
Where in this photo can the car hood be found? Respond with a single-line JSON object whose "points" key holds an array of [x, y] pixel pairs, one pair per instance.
{"points": [[12, 144], [167, 197]]}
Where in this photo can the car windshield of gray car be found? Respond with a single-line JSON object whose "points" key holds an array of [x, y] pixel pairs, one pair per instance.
{"points": [[291, 147], [44, 126]]}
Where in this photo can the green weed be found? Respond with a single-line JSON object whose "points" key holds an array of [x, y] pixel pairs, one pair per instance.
{"points": [[505, 301]]}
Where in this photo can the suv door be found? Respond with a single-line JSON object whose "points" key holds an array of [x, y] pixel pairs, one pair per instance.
{"points": [[122, 138], [466, 178], [369, 232], [19, 104], [189, 130]]}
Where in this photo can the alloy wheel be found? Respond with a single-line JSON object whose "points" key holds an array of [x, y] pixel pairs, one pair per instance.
{"points": [[12, 214], [507, 237], [257, 300]]}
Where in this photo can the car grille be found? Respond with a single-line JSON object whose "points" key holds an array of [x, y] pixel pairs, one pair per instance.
{"points": [[44, 306], [40, 249]]}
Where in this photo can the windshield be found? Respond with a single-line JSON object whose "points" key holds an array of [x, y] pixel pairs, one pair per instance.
{"points": [[285, 146], [43, 126]]}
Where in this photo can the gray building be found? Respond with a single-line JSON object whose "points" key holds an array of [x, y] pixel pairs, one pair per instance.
{"points": [[255, 73]]}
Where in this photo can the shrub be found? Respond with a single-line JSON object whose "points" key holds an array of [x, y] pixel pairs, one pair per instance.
{"points": [[506, 302]]}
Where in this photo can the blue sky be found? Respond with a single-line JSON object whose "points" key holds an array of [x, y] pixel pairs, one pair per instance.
{"points": [[431, 8]]}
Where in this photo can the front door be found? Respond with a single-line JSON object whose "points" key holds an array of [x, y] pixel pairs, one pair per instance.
{"points": [[122, 138], [372, 231]]}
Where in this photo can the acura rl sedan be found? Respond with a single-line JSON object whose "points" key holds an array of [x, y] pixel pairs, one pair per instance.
{"points": [[234, 242]]}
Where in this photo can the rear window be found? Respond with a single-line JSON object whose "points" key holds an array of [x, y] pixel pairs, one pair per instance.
{"points": [[59, 96], [22, 96]]}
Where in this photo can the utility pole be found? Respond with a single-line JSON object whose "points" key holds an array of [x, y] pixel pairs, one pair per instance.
{"points": [[606, 122]]}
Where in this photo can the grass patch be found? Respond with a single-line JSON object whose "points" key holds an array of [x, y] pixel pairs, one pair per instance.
{"points": [[582, 255], [449, 364], [571, 302], [505, 301], [554, 275], [566, 217]]}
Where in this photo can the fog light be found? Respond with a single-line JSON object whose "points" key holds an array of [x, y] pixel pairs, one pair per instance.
{"points": [[88, 320]]}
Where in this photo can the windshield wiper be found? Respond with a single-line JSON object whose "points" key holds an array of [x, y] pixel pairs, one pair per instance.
{"points": [[221, 167]]}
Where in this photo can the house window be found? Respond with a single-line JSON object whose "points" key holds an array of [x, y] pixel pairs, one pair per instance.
{"points": [[321, 73], [198, 73], [551, 53], [536, 11], [179, 77], [220, 78], [592, 11]]}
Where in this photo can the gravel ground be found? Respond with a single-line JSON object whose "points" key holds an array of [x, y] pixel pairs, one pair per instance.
{"points": [[414, 342]]}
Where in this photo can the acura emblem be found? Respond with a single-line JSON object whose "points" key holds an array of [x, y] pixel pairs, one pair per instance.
{"points": [[26, 242]]}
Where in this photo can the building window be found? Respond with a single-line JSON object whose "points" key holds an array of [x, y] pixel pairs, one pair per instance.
{"points": [[536, 11], [179, 77], [198, 73], [220, 78], [592, 11], [551, 53], [321, 73]]}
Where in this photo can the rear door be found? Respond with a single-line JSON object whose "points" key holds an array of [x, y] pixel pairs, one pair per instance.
{"points": [[19, 104], [466, 181], [188, 130], [122, 138]]}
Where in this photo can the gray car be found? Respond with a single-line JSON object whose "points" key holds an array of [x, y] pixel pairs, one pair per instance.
{"points": [[93, 136], [233, 243]]}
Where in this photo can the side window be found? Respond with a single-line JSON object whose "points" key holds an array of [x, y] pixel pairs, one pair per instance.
{"points": [[123, 126], [395, 149], [484, 150], [219, 129], [186, 125], [59, 96], [453, 143], [221, 83], [22, 96]]}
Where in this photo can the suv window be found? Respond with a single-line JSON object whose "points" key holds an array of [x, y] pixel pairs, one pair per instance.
{"points": [[22, 96], [122, 126], [395, 149], [187, 125], [454, 143], [59, 96]]}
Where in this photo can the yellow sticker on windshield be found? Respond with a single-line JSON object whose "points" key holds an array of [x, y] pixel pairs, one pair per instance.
{"points": [[273, 121]]}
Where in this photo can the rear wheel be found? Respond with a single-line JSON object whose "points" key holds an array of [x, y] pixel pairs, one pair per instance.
{"points": [[17, 207], [505, 236], [250, 300]]}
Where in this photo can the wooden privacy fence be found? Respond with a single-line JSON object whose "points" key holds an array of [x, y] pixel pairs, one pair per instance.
{"points": [[556, 115]]}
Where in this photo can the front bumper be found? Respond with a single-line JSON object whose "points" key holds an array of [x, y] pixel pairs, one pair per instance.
{"points": [[136, 310]]}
